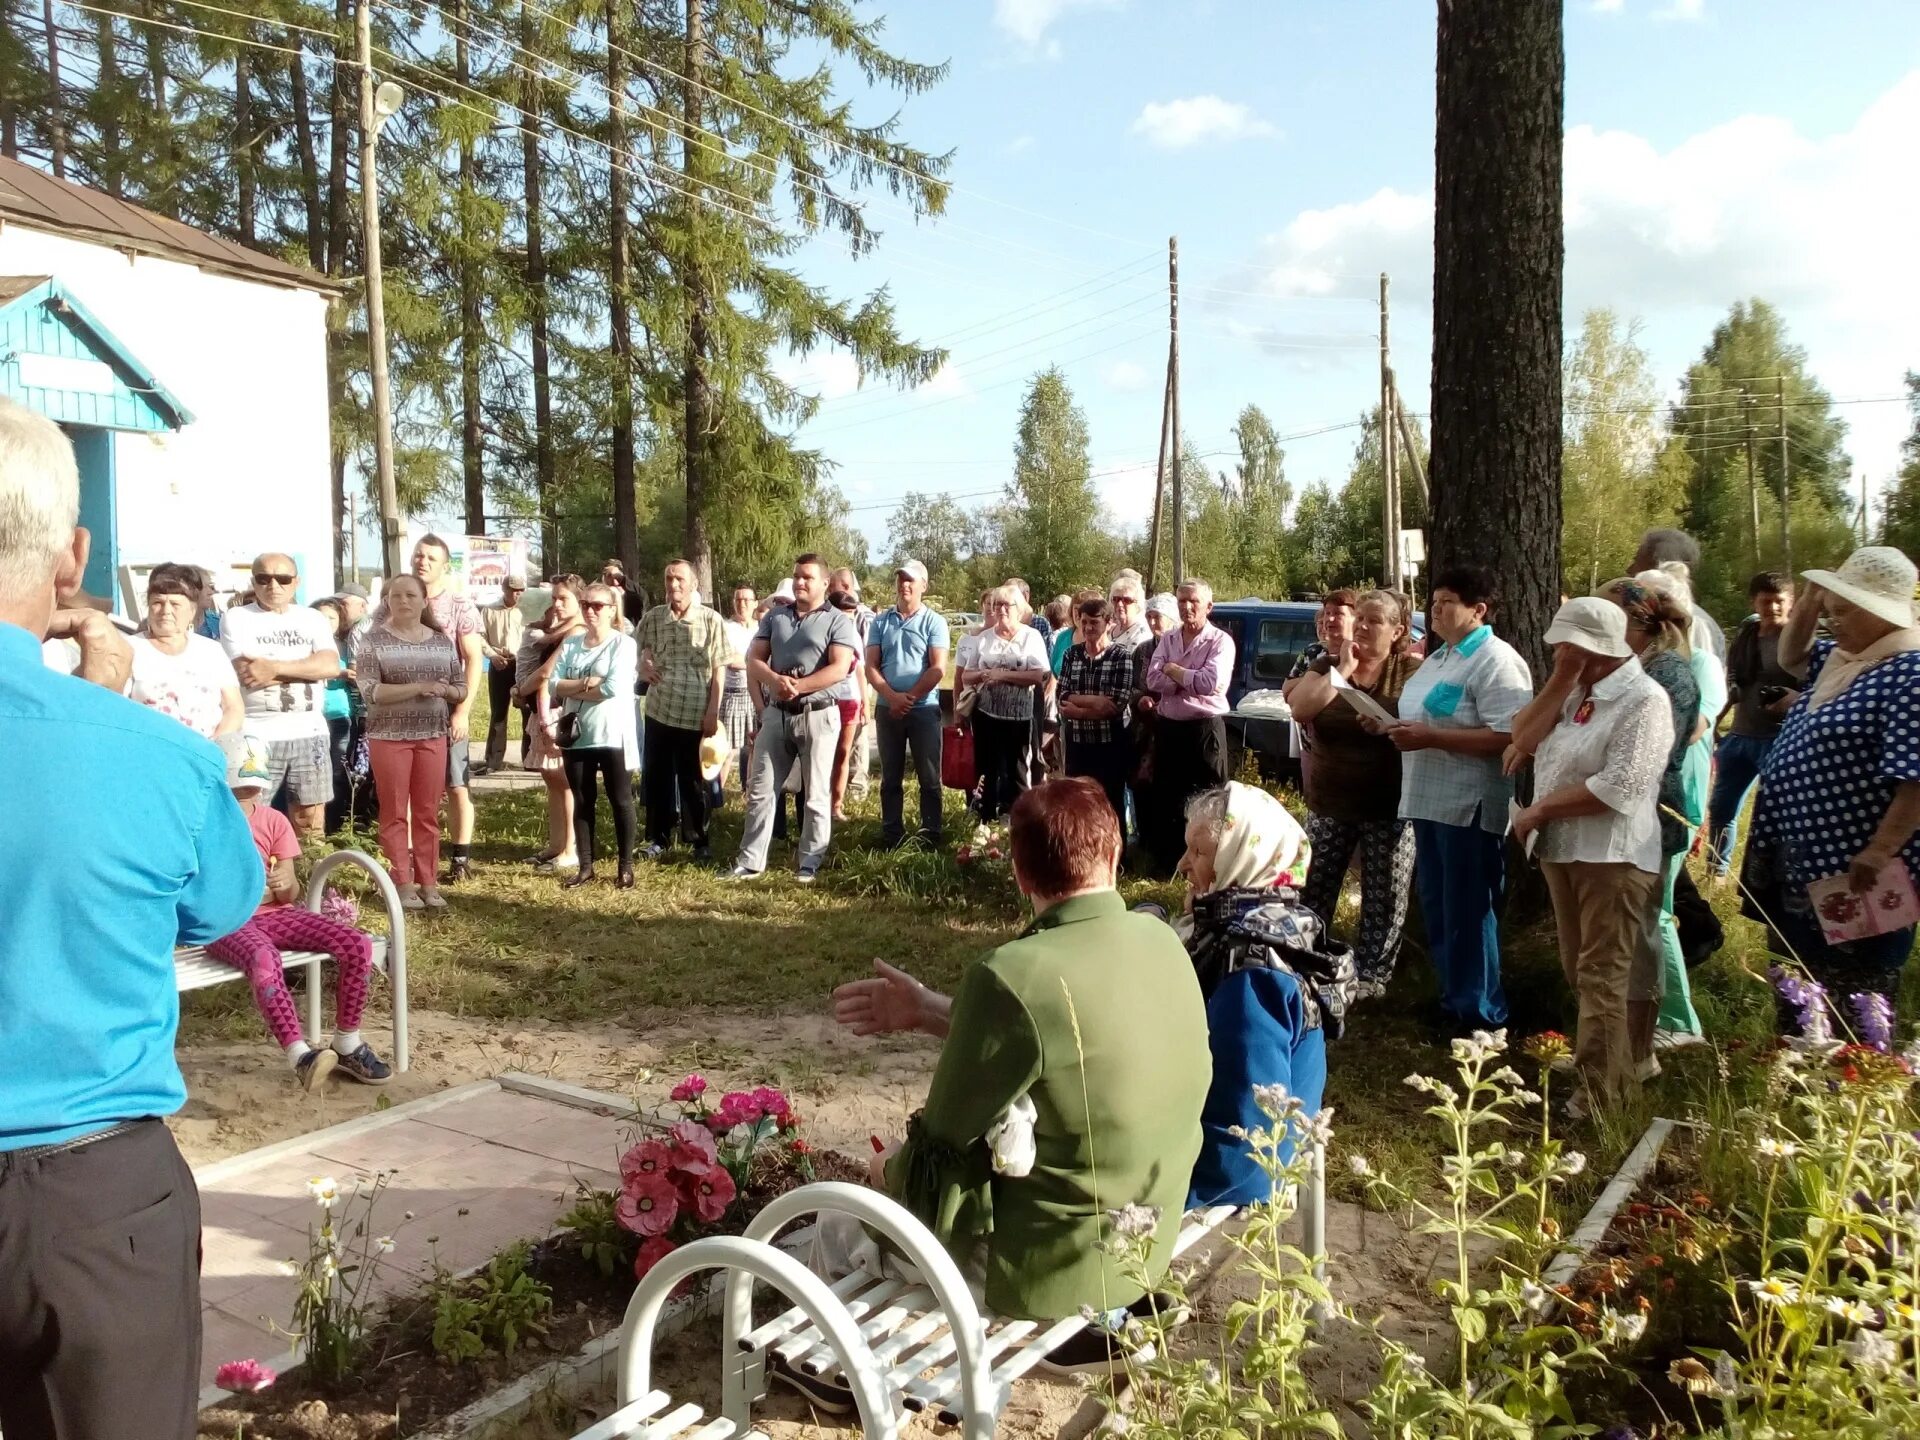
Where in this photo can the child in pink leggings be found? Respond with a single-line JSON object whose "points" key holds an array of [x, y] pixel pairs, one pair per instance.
{"points": [[280, 925]]}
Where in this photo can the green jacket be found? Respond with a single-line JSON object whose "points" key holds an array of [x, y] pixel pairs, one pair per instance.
{"points": [[1094, 1014]]}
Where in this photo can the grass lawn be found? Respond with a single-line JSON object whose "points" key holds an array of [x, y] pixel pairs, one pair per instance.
{"points": [[515, 946]]}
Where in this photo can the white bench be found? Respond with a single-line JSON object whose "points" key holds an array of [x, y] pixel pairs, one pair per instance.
{"points": [[194, 969], [904, 1347]]}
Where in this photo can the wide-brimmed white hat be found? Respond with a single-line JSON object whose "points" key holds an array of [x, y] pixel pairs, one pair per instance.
{"points": [[1877, 578], [1589, 623]]}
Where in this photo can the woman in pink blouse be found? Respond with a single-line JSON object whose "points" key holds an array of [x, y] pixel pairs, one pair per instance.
{"points": [[412, 678]]}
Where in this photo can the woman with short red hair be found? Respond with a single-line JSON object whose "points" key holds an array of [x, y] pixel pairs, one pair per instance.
{"points": [[1088, 1028]]}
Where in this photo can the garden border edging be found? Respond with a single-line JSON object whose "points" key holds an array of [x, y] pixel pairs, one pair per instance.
{"points": [[1599, 1218]]}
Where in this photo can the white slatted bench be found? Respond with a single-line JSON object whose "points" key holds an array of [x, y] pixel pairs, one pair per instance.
{"points": [[194, 969], [935, 1350]]}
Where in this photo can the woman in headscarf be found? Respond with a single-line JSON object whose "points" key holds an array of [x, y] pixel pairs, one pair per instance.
{"points": [[1277, 986], [1840, 789]]}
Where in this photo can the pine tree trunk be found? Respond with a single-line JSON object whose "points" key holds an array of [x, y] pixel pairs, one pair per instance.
{"points": [[1498, 255], [56, 103], [472, 442], [530, 115], [111, 171], [309, 158], [626, 519], [340, 137], [698, 397], [162, 115], [243, 137]]}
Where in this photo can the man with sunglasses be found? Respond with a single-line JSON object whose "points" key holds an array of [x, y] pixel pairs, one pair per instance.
{"points": [[284, 655]]}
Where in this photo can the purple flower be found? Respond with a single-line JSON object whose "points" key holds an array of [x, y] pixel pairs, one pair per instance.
{"points": [[1620, 1432], [1876, 1019], [1808, 999]]}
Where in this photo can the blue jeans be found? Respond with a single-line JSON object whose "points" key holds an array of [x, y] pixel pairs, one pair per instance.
{"points": [[1461, 871], [1736, 766], [918, 730]]}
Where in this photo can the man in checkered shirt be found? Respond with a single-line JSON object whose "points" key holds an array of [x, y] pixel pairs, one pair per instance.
{"points": [[1096, 691], [683, 657]]}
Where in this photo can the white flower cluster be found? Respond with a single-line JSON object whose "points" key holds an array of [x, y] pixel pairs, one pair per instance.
{"points": [[1481, 1045]]}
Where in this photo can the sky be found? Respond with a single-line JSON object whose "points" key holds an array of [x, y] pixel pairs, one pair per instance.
{"points": [[1716, 150]]}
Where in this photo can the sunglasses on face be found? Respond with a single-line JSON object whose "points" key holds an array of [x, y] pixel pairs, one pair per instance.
{"points": [[261, 577], [598, 605]]}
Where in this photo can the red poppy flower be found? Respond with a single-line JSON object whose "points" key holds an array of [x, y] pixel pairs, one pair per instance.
{"points": [[648, 1205]]}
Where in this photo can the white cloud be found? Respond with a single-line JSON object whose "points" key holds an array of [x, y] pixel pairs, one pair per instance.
{"points": [[1019, 143], [1126, 492], [1683, 10], [829, 374], [1749, 207], [1124, 375], [1178, 124], [1028, 21], [948, 381]]}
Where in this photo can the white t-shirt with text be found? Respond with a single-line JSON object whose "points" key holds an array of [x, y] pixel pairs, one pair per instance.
{"points": [[286, 710]]}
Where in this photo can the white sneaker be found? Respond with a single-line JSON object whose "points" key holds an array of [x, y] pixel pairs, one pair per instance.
{"points": [[1676, 1040], [556, 865], [741, 872], [410, 897], [1647, 1069]]}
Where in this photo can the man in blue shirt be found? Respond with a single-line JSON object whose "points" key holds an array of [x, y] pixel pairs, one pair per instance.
{"points": [[121, 840], [906, 657]]}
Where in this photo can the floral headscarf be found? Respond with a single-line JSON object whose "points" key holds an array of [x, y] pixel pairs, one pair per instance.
{"points": [[1259, 841]]}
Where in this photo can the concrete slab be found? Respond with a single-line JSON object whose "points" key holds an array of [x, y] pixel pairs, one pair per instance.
{"points": [[465, 1174]]}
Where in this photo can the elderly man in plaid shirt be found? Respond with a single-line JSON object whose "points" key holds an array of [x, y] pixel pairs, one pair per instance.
{"points": [[683, 658], [1096, 691]]}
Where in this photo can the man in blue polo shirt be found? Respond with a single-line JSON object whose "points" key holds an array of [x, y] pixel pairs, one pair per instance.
{"points": [[121, 840], [906, 656]]}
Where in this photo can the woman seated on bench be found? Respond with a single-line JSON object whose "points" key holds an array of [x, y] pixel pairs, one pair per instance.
{"points": [[1091, 1024], [1277, 985], [280, 925]]}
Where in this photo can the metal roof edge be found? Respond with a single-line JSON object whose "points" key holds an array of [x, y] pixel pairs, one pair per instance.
{"points": [[293, 278]]}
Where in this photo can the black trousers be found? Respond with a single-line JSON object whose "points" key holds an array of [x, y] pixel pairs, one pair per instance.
{"points": [[100, 1291], [1107, 763], [1189, 757], [671, 763], [1000, 754], [499, 707], [584, 770]]}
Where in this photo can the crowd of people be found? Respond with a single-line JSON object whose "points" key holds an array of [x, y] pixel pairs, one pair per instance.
{"points": [[1427, 758]]}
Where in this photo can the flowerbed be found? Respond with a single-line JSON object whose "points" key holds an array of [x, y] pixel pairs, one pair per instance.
{"points": [[379, 1376]]}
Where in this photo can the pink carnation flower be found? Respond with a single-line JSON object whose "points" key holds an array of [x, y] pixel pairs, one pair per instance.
{"points": [[241, 1377], [694, 1147], [689, 1089], [772, 1102], [711, 1193], [648, 1205], [736, 1108]]}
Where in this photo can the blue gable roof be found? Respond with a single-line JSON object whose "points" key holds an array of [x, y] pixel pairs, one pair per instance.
{"points": [[58, 360]]}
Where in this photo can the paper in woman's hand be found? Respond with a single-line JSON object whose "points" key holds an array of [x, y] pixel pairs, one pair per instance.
{"points": [[1846, 914], [1362, 702]]}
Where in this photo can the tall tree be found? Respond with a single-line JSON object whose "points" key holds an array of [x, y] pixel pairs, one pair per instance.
{"points": [[1261, 495], [1616, 482], [1900, 511], [626, 519], [1498, 257], [940, 534], [1053, 539]]}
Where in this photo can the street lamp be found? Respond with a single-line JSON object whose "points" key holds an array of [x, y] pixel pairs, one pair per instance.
{"points": [[377, 106]]}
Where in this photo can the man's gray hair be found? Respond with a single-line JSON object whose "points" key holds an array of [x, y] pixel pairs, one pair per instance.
{"points": [[1197, 585], [1127, 583], [39, 500], [1657, 547]]}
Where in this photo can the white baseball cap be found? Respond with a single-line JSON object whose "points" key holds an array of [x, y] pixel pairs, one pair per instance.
{"points": [[913, 569]]}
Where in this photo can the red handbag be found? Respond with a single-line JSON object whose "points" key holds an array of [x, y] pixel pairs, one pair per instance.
{"points": [[956, 758]]}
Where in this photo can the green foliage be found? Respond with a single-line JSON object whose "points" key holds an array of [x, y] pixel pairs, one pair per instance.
{"points": [[1052, 535], [604, 1243], [494, 1309], [1900, 513], [335, 1292]]}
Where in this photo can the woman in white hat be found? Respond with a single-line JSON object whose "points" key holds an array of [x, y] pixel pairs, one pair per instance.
{"points": [[1601, 733], [1840, 789]]}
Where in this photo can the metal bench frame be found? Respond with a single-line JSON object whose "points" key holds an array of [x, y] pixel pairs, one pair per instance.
{"points": [[194, 969]]}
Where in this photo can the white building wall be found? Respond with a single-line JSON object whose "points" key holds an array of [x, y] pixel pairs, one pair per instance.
{"points": [[248, 359]]}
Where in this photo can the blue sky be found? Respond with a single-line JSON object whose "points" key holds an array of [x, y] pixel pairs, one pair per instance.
{"points": [[1716, 149]]}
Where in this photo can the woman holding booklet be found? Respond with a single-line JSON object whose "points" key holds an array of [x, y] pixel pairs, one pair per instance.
{"points": [[1353, 782]]}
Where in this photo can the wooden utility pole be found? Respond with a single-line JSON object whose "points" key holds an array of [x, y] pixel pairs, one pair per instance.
{"points": [[1786, 484], [1389, 501], [696, 381], [1406, 440], [531, 109], [1173, 409], [1159, 480], [626, 519], [1753, 498], [370, 122]]}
